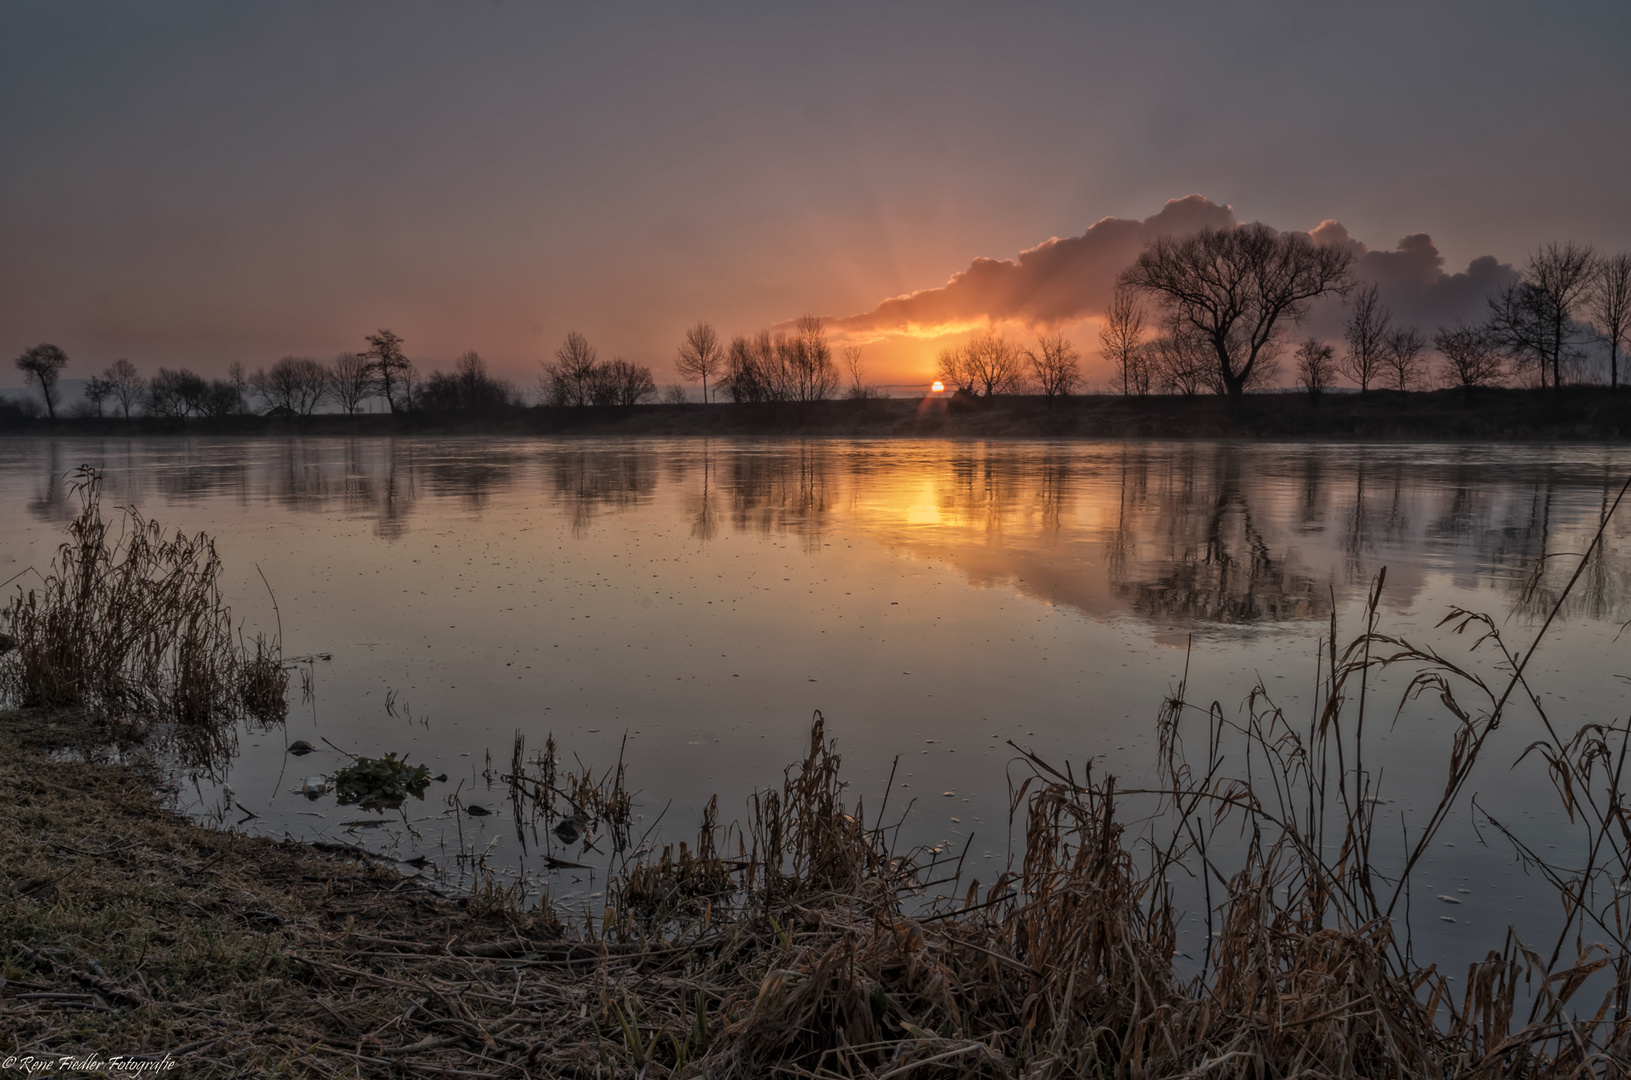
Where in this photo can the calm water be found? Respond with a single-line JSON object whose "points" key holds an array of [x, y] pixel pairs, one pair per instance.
{"points": [[932, 599]]}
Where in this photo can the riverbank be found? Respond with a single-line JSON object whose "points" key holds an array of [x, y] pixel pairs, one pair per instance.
{"points": [[1573, 414], [133, 938], [128, 930]]}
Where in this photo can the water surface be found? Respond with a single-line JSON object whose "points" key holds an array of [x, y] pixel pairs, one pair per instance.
{"points": [[701, 599]]}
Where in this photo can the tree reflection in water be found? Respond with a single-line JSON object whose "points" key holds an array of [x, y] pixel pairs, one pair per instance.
{"points": [[1173, 533]]}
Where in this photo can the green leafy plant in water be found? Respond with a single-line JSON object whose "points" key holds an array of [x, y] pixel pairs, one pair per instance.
{"points": [[381, 783]]}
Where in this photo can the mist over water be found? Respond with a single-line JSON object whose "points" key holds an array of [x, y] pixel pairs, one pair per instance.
{"points": [[702, 598]]}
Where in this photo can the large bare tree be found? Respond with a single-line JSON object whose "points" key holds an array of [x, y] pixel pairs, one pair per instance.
{"points": [[1608, 304], [1238, 287], [1366, 332], [700, 356], [1121, 341], [42, 366]]}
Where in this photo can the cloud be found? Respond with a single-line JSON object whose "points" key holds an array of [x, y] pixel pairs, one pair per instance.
{"points": [[1062, 281], [1058, 281], [1412, 283]]}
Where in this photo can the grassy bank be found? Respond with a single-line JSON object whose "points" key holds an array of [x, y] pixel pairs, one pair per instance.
{"points": [[1586, 413]]}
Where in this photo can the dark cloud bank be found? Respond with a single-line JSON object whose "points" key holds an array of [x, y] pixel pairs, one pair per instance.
{"points": [[1061, 281]]}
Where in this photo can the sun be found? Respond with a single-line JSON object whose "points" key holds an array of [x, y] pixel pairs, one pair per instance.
{"points": [[938, 387]]}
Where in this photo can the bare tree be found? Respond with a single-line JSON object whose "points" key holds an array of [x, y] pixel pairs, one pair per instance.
{"points": [[807, 362], [1366, 332], [700, 356], [1471, 357], [952, 369], [42, 366], [630, 383], [1121, 340], [746, 368], [857, 380], [391, 367], [176, 393], [240, 385], [1054, 362], [1533, 320], [1609, 305], [567, 380], [673, 394], [1181, 360], [296, 384], [128, 386], [1405, 356], [97, 390], [992, 366], [1316, 365], [351, 380], [222, 399], [1237, 286]]}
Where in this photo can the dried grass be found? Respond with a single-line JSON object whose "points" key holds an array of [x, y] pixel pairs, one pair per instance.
{"points": [[130, 624]]}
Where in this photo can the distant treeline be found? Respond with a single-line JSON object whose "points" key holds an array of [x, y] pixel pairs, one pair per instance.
{"points": [[1211, 312]]}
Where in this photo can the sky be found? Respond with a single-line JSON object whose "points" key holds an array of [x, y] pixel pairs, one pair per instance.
{"points": [[201, 183]]}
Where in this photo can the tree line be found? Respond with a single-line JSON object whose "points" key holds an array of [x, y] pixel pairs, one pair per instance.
{"points": [[1226, 302], [293, 386], [1209, 312]]}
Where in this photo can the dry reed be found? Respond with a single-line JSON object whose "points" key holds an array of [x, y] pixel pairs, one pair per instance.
{"points": [[130, 624]]}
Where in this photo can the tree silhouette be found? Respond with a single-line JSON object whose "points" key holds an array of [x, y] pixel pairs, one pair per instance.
{"points": [[1471, 356], [97, 390], [1533, 320], [1609, 304], [391, 367], [1236, 287], [1315, 365], [41, 366], [700, 356], [128, 385], [351, 380], [1121, 341], [1405, 356], [1054, 364], [1366, 333]]}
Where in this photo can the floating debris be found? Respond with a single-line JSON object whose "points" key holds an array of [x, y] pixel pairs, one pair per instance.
{"points": [[381, 783], [572, 828], [300, 748], [1449, 900], [478, 810], [313, 787]]}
